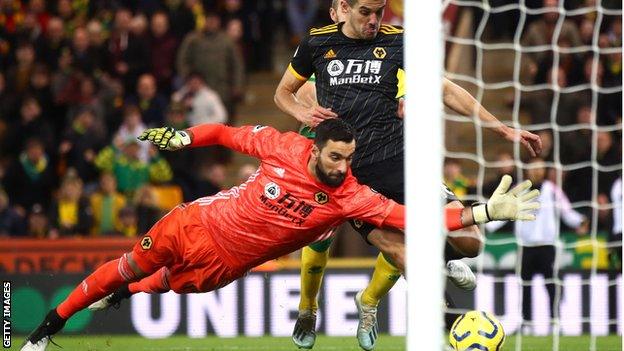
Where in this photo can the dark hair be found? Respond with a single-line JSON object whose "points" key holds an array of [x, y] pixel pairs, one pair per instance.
{"points": [[334, 129]]}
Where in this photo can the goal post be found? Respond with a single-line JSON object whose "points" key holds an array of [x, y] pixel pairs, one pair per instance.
{"points": [[423, 174]]}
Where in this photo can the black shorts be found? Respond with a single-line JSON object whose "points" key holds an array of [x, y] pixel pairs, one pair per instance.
{"points": [[387, 178]]}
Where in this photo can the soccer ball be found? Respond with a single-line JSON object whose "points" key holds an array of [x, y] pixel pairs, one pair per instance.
{"points": [[477, 330]]}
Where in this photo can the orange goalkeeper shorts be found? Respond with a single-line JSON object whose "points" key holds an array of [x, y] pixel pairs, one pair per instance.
{"points": [[179, 242]]}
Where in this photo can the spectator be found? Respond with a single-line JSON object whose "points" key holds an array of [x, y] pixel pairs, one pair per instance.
{"points": [[66, 81], [122, 159], [128, 54], [97, 42], [85, 58], [301, 14], [537, 239], [18, 76], [147, 211], [151, 103], [38, 223], [182, 17], [107, 204], [541, 31], [138, 26], [88, 99], [131, 127], [80, 144], [11, 222], [163, 47], [29, 180], [538, 103], [579, 182], [213, 55], [202, 103], [50, 45], [41, 90], [38, 9], [31, 124], [71, 213], [454, 179], [128, 222]]}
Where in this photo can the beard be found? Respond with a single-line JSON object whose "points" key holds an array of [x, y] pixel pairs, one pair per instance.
{"points": [[332, 180]]}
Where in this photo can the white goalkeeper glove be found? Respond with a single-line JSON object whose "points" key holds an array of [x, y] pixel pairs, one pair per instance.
{"points": [[166, 138], [514, 205]]}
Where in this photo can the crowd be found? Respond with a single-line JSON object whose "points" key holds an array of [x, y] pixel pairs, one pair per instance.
{"points": [[80, 80], [578, 109]]}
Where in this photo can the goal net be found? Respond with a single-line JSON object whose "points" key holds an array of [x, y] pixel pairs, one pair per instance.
{"points": [[553, 68]]}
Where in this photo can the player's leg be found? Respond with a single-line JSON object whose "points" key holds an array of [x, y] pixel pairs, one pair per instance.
{"points": [[150, 253], [156, 283], [105, 280], [385, 275], [313, 262], [526, 275]]}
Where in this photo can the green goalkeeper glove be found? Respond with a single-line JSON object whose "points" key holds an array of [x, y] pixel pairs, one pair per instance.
{"points": [[166, 138], [514, 205]]}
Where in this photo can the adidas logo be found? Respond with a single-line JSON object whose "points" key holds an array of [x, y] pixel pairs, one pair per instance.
{"points": [[330, 54]]}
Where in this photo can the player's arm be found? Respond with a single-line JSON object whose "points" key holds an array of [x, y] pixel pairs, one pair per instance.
{"points": [[460, 101], [307, 94], [256, 141], [297, 73], [515, 204]]}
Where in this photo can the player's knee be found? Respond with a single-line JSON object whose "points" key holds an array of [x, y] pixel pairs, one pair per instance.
{"points": [[468, 241], [130, 268]]}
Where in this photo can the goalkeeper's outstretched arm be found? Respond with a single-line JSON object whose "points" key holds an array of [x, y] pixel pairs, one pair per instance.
{"points": [[460, 101], [515, 204]]}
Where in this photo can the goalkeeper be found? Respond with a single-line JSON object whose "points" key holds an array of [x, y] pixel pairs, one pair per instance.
{"points": [[212, 241]]}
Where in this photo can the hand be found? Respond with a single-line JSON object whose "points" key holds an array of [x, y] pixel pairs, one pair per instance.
{"points": [[166, 138], [513, 205], [583, 229], [316, 114], [530, 141], [401, 109]]}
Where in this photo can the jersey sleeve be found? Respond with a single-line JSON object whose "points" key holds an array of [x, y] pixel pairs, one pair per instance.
{"points": [[301, 65], [370, 206], [257, 141]]}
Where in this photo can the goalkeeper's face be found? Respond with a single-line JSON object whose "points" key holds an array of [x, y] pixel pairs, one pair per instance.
{"points": [[364, 17], [333, 161]]}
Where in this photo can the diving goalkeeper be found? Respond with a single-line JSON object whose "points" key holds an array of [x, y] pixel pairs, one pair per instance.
{"points": [[301, 189]]}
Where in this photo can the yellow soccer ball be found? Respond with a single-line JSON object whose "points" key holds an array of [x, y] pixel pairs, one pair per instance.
{"points": [[477, 330]]}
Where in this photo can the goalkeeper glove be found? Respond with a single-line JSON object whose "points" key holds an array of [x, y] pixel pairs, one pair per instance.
{"points": [[513, 205], [166, 138]]}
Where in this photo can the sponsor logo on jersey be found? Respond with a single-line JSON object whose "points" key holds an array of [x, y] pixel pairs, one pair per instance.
{"points": [[330, 54], [272, 191], [379, 52], [321, 198], [146, 242], [354, 72], [290, 207], [335, 68], [257, 128]]}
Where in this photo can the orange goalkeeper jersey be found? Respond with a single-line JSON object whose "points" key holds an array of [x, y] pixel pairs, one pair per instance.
{"points": [[281, 207]]}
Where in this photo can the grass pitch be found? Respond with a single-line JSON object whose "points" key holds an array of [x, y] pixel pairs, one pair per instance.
{"points": [[323, 343]]}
